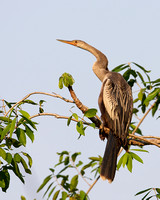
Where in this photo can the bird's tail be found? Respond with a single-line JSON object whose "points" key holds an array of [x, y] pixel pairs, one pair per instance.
{"points": [[108, 167]]}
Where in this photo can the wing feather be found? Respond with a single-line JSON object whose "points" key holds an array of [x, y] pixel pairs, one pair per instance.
{"points": [[117, 100]]}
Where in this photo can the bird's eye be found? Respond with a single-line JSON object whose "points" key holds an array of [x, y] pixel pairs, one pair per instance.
{"points": [[75, 41]]}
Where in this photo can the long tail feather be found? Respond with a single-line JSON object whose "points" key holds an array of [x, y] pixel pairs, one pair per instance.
{"points": [[108, 167]]}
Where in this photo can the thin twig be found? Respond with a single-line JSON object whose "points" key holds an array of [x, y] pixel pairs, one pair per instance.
{"points": [[143, 118], [62, 188], [93, 185], [56, 116], [79, 172], [44, 93]]}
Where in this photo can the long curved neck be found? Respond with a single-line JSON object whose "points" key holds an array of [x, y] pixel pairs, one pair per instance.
{"points": [[100, 66]]}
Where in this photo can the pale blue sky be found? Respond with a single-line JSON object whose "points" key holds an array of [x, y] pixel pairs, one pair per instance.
{"points": [[32, 60]]}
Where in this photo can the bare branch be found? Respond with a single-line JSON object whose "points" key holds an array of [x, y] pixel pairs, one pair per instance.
{"points": [[93, 184], [44, 93], [54, 115]]}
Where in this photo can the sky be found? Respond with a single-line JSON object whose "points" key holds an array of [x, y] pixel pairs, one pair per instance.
{"points": [[32, 60]]}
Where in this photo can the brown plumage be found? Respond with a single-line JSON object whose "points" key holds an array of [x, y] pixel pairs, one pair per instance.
{"points": [[115, 103]]}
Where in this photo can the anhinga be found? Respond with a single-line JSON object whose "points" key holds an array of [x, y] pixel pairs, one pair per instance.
{"points": [[115, 103]]}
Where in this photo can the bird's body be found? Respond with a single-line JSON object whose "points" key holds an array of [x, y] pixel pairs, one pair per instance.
{"points": [[115, 103]]}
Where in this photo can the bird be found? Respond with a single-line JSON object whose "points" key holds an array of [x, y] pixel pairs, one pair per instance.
{"points": [[116, 105]]}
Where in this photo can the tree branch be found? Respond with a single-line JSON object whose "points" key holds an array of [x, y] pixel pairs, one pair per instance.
{"points": [[93, 185], [44, 93], [83, 108]]}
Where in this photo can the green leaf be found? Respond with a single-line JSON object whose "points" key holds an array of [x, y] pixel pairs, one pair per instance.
{"points": [[47, 189], [152, 95], [155, 107], [120, 68], [93, 125], [125, 158], [17, 158], [147, 195], [4, 179], [24, 164], [158, 190], [66, 160], [75, 116], [46, 180], [79, 163], [17, 171], [142, 68], [5, 119], [12, 126], [29, 158], [95, 158], [126, 75], [29, 132], [90, 112], [136, 157], [158, 196], [64, 195], [23, 198], [142, 150], [30, 122], [74, 182], [141, 93], [2, 153], [129, 163], [24, 113], [60, 85], [5, 131], [141, 77], [41, 102], [21, 136], [80, 128], [69, 120], [143, 191], [120, 162], [30, 102], [83, 195], [2, 183], [66, 79], [74, 156], [56, 194], [8, 158], [51, 192]]}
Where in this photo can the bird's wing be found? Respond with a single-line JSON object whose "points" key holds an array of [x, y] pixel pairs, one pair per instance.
{"points": [[118, 104]]}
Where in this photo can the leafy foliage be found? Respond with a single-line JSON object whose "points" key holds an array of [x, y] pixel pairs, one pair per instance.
{"points": [[128, 157], [67, 188], [17, 126], [14, 130], [66, 80], [148, 191]]}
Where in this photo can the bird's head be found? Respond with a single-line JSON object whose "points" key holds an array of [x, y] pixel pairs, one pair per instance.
{"points": [[77, 43]]}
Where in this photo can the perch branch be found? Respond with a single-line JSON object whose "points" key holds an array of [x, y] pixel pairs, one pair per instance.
{"points": [[83, 108], [141, 139]]}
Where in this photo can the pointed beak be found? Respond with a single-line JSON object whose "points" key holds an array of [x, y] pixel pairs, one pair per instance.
{"points": [[67, 42]]}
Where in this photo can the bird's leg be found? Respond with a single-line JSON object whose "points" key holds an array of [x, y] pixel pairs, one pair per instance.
{"points": [[103, 132]]}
